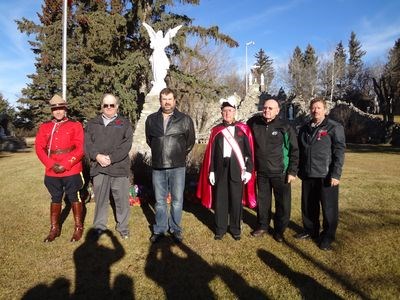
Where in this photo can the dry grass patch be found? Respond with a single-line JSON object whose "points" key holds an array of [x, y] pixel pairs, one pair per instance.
{"points": [[364, 264]]}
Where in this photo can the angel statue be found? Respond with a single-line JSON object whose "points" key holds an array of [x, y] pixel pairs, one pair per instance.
{"points": [[158, 59]]}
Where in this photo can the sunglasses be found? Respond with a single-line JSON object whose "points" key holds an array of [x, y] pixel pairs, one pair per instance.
{"points": [[108, 105], [267, 108]]}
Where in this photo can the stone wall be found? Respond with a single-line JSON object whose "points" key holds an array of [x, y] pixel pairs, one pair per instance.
{"points": [[360, 127], [246, 108]]}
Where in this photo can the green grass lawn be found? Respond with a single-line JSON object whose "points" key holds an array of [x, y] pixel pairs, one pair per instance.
{"points": [[365, 263]]}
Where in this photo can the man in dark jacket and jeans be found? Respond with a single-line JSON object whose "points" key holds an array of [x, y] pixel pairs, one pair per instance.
{"points": [[170, 135], [322, 145], [276, 156], [108, 139]]}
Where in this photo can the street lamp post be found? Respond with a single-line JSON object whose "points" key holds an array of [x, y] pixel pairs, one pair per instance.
{"points": [[245, 73]]}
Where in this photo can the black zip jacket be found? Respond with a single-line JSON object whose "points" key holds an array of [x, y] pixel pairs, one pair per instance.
{"points": [[170, 148], [322, 150], [114, 140], [275, 146]]}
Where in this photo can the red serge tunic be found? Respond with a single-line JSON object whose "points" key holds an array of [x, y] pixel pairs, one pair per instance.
{"points": [[65, 140], [204, 188]]}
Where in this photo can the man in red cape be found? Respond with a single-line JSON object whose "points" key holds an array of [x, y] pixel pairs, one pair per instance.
{"points": [[204, 188]]}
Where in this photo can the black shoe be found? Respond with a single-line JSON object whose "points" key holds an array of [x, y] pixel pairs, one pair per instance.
{"points": [[156, 237], [177, 237], [303, 236], [259, 232], [326, 246], [218, 237], [236, 237], [278, 237]]}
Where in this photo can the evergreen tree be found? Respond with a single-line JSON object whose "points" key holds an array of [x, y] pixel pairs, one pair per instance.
{"points": [[4, 105], [296, 68], [108, 52], [310, 72], [355, 64], [392, 72], [303, 71], [387, 87], [265, 67], [339, 70], [47, 46]]}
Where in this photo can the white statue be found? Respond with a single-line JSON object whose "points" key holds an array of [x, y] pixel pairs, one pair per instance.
{"points": [[290, 112], [158, 59], [262, 79], [250, 78]]}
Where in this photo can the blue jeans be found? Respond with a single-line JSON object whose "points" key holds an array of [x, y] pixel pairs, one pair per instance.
{"points": [[164, 181]]}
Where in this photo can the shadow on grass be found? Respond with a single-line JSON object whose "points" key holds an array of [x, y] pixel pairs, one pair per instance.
{"points": [[183, 274], [387, 219], [309, 288], [59, 289], [384, 217], [203, 214], [369, 148], [250, 218], [148, 211], [341, 279], [93, 263]]}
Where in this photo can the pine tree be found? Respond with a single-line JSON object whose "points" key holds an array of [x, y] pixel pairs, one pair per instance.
{"points": [[296, 68], [355, 64], [108, 52], [265, 67], [47, 46], [387, 87], [392, 72], [4, 105], [339, 70], [310, 72]]}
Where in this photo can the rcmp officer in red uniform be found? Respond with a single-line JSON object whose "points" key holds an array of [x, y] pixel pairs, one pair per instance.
{"points": [[59, 146]]}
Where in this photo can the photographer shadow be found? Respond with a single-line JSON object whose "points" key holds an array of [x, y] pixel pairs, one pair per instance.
{"points": [[93, 262]]}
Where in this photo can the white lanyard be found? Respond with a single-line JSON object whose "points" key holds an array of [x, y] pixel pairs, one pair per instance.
{"points": [[235, 147]]}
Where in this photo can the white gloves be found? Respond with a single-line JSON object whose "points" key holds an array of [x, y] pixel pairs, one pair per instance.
{"points": [[246, 177], [211, 177]]}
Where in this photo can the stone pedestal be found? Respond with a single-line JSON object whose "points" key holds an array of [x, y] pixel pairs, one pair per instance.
{"points": [[151, 104]]}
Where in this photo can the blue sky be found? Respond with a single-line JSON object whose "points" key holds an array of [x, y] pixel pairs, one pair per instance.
{"points": [[277, 26]]}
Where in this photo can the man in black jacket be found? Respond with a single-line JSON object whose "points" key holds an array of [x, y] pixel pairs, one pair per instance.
{"points": [[170, 135], [277, 156], [322, 145], [108, 139]]}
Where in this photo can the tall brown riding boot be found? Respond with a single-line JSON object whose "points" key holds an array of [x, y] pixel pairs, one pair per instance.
{"points": [[55, 211], [77, 209]]}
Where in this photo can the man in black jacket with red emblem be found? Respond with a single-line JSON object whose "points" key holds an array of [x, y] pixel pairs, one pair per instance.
{"points": [[108, 139], [322, 145]]}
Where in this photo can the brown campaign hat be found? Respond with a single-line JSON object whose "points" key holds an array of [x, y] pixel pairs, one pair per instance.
{"points": [[57, 101]]}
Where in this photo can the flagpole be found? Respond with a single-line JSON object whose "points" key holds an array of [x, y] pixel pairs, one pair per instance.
{"points": [[64, 52]]}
